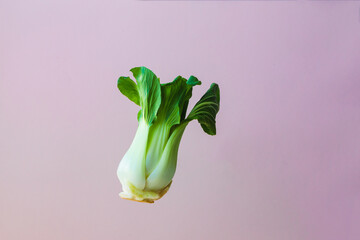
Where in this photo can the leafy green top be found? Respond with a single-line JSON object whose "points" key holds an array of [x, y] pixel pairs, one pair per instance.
{"points": [[167, 103]]}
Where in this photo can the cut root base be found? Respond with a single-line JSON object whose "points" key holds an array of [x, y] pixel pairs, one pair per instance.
{"points": [[144, 196]]}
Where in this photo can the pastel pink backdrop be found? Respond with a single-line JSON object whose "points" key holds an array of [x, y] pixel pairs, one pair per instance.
{"points": [[284, 165]]}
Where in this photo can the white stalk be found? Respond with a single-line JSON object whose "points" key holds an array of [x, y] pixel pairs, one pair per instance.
{"points": [[166, 167], [131, 169]]}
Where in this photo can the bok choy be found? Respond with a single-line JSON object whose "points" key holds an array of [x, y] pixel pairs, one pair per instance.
{"points": [[147, 168]]}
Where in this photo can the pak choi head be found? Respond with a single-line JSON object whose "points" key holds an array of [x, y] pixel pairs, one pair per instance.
{"points": [[148, 167]]}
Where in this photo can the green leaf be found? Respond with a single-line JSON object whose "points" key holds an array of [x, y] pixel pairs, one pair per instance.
{"points": [[206, 108], [175, 97], [129, 89], [149, 91], [193, 81], [171, 94]]}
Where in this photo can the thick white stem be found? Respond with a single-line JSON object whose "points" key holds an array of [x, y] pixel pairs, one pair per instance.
{"points": [[132, 167], [158, 137], [162, 175]]}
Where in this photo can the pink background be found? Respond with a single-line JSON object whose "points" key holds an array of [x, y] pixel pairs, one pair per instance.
{"points": [[284, 165]]}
